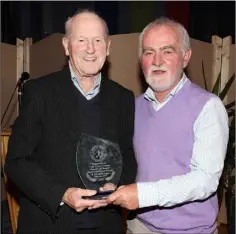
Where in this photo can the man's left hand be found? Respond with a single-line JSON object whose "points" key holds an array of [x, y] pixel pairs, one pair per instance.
{"points": [[106, 187], [125, 196]]}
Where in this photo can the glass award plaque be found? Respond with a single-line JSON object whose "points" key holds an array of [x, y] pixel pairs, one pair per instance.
{"points": [[98, 162]]}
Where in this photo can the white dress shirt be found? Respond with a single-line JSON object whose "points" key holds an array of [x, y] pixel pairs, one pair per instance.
{"points": [[211, 134]]}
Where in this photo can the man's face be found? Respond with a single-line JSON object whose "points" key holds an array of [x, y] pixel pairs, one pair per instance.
{"points": [[87, 45], [162, 58]]}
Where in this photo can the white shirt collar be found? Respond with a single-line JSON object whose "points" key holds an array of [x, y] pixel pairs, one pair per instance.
{"points": [[93, 92], [150, 94]]}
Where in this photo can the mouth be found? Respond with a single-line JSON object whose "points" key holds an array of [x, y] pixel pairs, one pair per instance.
{"points": [[90, 59], [158, 72]]}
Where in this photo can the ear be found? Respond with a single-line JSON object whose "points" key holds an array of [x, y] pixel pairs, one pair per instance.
{"points": [[65, 45], [108, 46], [187, 56]]}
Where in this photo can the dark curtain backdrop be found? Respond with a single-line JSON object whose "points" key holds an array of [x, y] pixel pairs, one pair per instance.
{"points": [[212, 18], [38, 19]]}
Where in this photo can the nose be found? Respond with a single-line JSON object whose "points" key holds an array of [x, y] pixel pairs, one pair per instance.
{"points": [[90, 48], [157, 59]]}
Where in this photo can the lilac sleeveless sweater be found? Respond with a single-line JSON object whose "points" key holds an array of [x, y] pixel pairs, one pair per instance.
{"points": [[163, 143]]}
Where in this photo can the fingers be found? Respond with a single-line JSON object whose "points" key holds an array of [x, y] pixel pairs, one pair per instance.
{"points": [[113, 197], [125, 196], [107, 186], [118, 201], [74, 198], [99, 204], [117, 198], [89, 203], [85, 192]]}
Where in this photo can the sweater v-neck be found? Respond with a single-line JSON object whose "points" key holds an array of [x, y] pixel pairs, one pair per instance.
{"points": [[171, 102]]}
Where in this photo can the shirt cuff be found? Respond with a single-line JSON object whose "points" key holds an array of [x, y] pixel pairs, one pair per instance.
{"points": [[62, 203], [147, 194]]}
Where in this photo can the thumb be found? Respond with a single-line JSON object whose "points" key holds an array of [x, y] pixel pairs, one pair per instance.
{"points": [[88, 192], [111, 198], [101, 189], [122, 186]]}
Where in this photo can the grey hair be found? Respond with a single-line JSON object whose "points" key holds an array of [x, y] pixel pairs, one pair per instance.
{"points": [[80, 12], [163, 21]]}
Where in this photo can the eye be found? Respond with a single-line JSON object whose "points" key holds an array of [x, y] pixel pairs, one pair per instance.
{"points": [[81, 40], [147, 53], [168, 51], [98, 40]]}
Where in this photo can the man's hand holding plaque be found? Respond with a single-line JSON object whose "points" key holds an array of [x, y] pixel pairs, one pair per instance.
{"points": [[74, 198], [106, 190], [99, 165]]}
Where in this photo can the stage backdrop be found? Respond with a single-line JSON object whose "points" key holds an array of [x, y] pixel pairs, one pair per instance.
{"points": [[47, 56]]}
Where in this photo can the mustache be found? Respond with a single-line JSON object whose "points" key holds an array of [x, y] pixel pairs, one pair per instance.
{"points": [[159, 68]]}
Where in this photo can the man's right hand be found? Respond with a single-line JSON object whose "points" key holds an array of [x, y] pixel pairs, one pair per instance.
{"points": [[73, 198]]}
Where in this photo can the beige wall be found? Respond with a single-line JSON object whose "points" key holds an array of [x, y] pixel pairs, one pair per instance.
{"points": [[47, 56], [124, 61], [201, 52]]}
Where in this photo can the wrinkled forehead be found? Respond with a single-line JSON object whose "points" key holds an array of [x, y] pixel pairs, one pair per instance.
{"points": [[161, 35], [87, 24]]}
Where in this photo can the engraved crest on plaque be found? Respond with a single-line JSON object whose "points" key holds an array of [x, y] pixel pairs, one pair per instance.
{"points": [[98, 153]]}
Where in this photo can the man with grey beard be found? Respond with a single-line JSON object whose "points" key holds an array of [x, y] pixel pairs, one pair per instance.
{"points": [[180, 141]]}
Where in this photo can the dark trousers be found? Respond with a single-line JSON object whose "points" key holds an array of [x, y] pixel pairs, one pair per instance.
{"points": [[104, 221], [108, 224]]}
